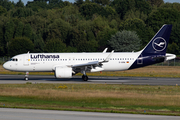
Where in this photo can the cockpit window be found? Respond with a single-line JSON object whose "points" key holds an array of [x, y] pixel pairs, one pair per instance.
{"points": [[13, 59]]}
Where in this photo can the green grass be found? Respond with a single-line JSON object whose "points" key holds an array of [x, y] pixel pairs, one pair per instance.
{"points": [[162, 100]]}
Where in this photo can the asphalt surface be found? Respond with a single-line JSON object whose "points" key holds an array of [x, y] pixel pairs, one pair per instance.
{"points": [[12, 79], [30, 114]]}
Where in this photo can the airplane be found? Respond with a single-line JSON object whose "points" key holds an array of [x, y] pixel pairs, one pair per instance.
{"points": [[65, 65]]}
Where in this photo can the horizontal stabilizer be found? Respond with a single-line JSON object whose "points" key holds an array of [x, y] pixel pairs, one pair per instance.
{"points": [[170, 56]]}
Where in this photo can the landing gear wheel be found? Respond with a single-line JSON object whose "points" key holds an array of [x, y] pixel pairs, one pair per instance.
{"points": [[26, 78], [85, 77]]}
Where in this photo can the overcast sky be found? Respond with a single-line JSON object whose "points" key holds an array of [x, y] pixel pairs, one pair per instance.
{"points": [[25, 1]]}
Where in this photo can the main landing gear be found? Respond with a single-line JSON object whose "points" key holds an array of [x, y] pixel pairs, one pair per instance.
{"points": [[85, 77], [26, 76]]}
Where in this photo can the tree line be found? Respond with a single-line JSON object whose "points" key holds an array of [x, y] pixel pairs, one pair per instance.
{"points": [[84, 26]]}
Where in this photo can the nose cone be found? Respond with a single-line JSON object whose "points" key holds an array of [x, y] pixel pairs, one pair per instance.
{"points": [[6, 66]]}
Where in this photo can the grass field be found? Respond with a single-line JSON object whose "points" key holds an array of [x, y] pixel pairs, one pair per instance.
{"points": [[163, 100]]}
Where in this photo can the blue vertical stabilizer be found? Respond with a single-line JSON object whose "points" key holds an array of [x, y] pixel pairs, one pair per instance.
{"points": [[155, 50], [159, 42]]}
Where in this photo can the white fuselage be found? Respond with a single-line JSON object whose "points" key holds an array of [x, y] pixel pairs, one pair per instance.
{"points": [[39, 62]]}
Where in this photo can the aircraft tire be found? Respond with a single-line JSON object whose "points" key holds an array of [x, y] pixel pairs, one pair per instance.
{"points": [[85, 77], [26, 78]]}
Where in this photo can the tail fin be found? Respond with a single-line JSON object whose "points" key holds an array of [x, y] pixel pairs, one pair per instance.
{"points": [[159, 42], [155, 51]]}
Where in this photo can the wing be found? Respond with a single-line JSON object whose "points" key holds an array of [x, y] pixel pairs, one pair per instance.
{"points": [[94, 62], [86, 64], [93, 66]]}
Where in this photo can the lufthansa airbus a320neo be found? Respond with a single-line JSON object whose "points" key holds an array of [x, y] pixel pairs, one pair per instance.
{"points": [[65, 65]]}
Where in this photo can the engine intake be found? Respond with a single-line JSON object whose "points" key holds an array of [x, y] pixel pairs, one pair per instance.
{"points": [[63, 72]]}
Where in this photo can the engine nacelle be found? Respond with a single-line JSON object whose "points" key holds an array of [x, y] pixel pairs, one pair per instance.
{"points": [[63, 72]]}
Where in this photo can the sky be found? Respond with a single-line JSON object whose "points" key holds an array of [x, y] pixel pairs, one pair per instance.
{"points": [[25, 1]]}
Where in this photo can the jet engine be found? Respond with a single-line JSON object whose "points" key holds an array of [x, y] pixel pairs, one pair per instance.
{"points": [[63, 72]]}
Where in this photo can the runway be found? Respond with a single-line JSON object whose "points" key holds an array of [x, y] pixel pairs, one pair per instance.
{"points": [[30, 114], [19, 79]]}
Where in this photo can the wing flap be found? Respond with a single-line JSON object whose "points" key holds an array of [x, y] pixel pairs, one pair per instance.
{"points": [[86, 64]]}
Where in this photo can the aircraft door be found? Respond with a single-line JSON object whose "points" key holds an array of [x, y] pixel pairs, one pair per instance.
{"points": [[140, 60], [26, 59]]}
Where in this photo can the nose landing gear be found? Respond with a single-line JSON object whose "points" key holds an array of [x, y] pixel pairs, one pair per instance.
{"points": [[26, 76]]}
